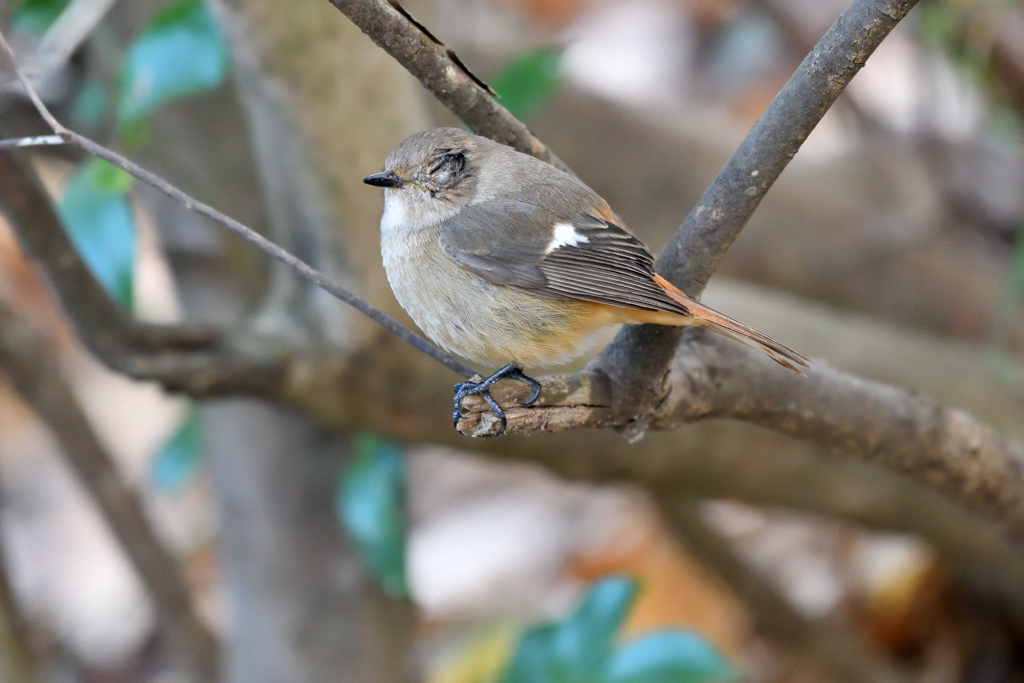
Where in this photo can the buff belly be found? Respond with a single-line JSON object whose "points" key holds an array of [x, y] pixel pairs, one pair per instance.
{"points": [[481, 321]]}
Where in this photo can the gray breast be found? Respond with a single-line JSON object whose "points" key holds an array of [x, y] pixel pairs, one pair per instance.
{"points": [[467, 315]]}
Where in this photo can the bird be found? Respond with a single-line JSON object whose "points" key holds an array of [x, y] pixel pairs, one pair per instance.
{"points": [[503, 259]]}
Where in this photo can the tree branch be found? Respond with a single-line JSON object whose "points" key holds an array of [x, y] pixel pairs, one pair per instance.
{"points": [[33, 370], [715, 378], [835, 654], [442, 73]]}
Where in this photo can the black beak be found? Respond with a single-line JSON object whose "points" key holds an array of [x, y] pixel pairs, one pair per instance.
{"points": [[387, 179]]}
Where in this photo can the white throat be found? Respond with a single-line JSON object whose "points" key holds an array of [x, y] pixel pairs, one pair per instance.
{"points": [[411, 209]]}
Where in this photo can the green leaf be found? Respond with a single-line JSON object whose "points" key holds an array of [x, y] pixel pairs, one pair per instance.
{"points": [[35, 16], [583, 643], [89, 105], [181, 53], [577, 649], [669, 656], [178, 461], [99, 220], [526, 84], [534, 659], [370, 506]]}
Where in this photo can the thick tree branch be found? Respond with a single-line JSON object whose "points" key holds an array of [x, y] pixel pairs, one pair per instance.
{"points": [[833, 653], [34, 371], [715, 378]]}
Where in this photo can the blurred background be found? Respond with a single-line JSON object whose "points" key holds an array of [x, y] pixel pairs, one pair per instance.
{"points": [[316, 546]]}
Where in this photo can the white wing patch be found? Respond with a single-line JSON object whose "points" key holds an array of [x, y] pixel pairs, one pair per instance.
{"points": [[565, 236]]}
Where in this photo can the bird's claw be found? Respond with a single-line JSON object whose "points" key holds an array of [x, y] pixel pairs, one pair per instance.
{"points": [[483, 390]]}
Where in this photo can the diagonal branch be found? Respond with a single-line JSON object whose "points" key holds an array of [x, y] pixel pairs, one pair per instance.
{"points": [[33, 370], [443, 74], [638, 357]]}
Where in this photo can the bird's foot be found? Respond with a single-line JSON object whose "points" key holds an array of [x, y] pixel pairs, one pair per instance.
{"points": [[483, 390]]}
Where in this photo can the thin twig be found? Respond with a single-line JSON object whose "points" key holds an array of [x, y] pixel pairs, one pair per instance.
{"points": [[243, 231], [27, 361], [33, 141]]}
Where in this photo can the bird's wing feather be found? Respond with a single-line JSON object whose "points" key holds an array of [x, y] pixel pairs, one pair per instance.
{"points": [[564, 255]]}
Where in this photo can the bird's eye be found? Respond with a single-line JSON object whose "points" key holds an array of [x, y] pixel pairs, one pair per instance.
{"points": [[447, 166]]}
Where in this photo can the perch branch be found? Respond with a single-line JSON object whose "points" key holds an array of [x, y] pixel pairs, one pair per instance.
{"points": [[715, 378], [34, 372]]}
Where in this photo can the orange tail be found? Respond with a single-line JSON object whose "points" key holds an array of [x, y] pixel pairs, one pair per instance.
{"points": [[710, 318]]}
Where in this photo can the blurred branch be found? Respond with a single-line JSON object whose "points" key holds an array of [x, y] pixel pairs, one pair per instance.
{"points": [[34, 371], [834, 653], [443, 74], [198, 361], [1008, 55], [74, 24], [15, 661], [67, 32]]}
